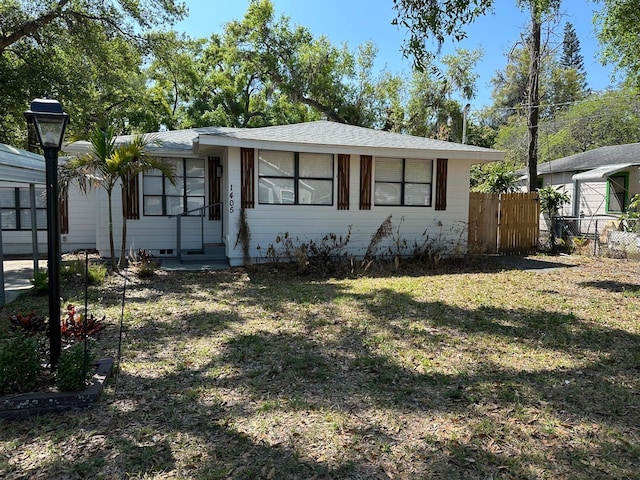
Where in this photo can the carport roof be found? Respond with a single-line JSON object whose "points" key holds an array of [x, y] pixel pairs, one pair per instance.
{"points": [[21, 166]]}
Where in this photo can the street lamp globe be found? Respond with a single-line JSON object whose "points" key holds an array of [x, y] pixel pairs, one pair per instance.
{"points": [[49, 120]]}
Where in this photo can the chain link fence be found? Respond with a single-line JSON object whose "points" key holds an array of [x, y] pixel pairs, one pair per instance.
{"points": [[598, 236]]}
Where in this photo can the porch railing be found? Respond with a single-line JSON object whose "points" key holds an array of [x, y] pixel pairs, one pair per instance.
{"points": [[178, 218]]}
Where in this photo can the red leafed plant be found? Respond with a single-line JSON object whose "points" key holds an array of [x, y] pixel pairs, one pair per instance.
{"points": [[76, 325], [29, 323]]}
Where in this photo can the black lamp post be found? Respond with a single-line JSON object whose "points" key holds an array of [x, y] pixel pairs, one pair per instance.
{"points": [[50, 122]]}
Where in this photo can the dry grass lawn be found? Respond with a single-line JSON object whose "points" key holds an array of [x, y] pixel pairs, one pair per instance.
{"points": [[476, 371]]}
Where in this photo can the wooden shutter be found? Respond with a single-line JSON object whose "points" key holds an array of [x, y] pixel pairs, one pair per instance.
{"points": [[64, 213], [441, 184], [131, 198], [247, 169], [366, 177], [215, 211], [343, 182]]}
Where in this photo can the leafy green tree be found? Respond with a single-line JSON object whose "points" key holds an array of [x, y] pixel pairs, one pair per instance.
{"points": [[86, 54], [440, 19], [618, 28], [495, 177], [609, 118], [433, 110], [107, 164]]}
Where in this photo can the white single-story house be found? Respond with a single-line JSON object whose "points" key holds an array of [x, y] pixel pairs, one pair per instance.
{"points": [[303, 181], [600, 183]]}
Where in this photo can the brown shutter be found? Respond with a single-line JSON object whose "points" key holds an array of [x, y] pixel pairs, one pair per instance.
{"points": [[366, 171], [343, 182], [441, 184], [215, 211], [131, 198], [247, 169], [64, 213]]}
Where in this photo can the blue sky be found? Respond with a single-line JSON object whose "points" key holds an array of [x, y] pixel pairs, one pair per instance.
{"points": [[357, 21]]}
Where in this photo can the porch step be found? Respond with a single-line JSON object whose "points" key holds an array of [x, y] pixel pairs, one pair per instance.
{"points": [[212, 254]]}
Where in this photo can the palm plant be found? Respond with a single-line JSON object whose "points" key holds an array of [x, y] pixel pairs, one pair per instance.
{"points": [[107, 164], [552, 200]]}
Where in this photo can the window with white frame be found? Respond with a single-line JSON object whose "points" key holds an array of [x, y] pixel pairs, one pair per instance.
{"points": [[403, 181], [288, 178], [15, 207], [161, 198]]}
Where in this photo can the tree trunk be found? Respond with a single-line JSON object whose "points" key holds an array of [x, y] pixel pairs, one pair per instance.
{"points": [[533, 100], [125, 208], [112, 248]]}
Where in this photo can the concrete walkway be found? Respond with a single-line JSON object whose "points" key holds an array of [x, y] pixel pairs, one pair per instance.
{"points": [[17, 277]]}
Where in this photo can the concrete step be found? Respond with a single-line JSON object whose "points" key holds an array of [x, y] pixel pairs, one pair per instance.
{"points": [[210, 254]]}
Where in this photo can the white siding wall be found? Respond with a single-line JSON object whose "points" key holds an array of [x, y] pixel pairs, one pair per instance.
{"points": [[306, 222], [82, 227]]}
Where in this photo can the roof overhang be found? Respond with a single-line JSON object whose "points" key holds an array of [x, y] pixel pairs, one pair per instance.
{"points": [[601, 173], [21, 166]]}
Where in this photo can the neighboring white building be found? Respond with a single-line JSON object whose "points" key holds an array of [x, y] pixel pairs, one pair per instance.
{"points": [[600, 183], [22, 183], [307, 180]]}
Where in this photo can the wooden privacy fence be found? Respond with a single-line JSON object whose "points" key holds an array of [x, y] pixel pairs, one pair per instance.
{"points": [[505, 223]]}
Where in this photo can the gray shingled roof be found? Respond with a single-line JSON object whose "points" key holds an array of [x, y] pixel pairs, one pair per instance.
{"points": [[323, 132], [598, 157], [173, 140], [319, 133]]}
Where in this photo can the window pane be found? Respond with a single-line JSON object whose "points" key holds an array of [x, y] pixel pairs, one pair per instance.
{"points": [[276, 190], [616, 193], [25, 219], [176, 163], [177, 189], [41, 218], [315, 192], [387, 193], [388, 170], [275, 164], [195, 186], [9, 219], [41, 198], [195, 167], [152, 185], [417, 194], [24, 198], [152, 205], [316, 165], [175, 205], [195, 202], [7, 197], [418, 170]]}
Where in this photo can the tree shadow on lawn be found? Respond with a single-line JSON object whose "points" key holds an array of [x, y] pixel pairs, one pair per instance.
{"points": [[178, 421], [613, 286]]}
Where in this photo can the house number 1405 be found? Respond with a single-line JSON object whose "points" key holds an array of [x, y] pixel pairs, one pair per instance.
{"points": [[231, 199]]}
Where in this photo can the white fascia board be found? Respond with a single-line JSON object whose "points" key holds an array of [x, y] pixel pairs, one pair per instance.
{"points": [[601, 173]]}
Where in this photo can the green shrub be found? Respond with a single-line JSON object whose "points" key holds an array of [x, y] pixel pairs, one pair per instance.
{"points": [[73, 268], [40, 280], [97, 274], [19, 363], [74, 368]]}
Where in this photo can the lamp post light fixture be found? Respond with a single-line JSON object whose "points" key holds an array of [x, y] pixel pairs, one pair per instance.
{"points": [[50, 122]]}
